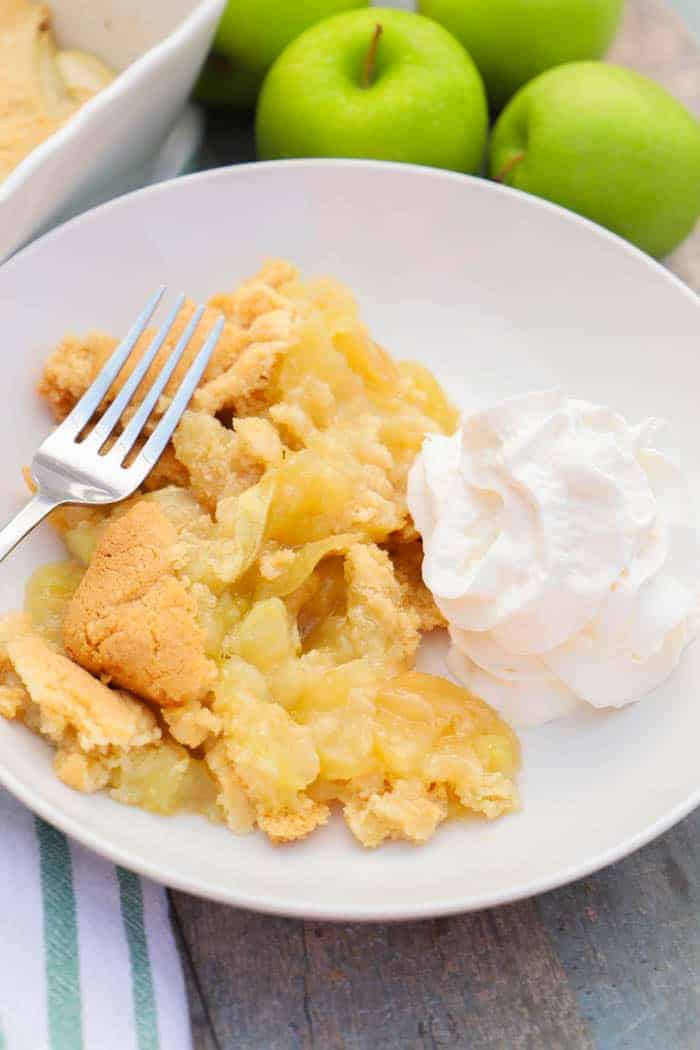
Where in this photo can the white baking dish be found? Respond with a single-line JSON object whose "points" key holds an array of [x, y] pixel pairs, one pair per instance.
{"points": [[158, 47]]}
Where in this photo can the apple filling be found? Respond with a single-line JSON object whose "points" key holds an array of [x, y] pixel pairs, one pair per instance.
{"points": [[240, 640]]}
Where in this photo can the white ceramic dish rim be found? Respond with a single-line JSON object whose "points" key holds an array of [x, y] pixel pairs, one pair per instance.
{"points": [[271, 903], [121, 84]]}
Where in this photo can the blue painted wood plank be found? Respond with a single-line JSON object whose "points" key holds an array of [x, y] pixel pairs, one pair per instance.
{"points": [[629, 941]]}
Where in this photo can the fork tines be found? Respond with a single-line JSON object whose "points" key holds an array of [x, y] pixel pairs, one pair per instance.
{"points": [[75, 423]]}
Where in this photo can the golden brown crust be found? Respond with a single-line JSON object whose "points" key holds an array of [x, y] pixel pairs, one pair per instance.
{"points": [[12, 626], [76, 361], [131, 619], [404, 811], [243, 388], [13, 701], [81, 771], [260, 327], [281, 827], [71, 701]]}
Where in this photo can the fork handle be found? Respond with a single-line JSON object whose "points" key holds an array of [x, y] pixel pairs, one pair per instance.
{"points": [[24, 521]]}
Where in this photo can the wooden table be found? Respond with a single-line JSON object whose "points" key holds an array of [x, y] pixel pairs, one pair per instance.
{"points": [[612, 961]]}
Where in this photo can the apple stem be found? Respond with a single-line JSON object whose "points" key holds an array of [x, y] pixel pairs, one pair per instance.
{"points": [[371, 57], [509, 165]]}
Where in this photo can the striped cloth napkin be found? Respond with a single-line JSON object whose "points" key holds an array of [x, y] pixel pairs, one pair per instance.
{"points": [[87, 955]]}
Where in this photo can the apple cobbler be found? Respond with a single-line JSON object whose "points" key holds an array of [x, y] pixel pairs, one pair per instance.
{"points": [[239, 640], [40, 86]]}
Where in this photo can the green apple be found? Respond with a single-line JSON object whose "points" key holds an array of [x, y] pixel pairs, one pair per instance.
{"points": [[607, 143], [250, 36], [512, 41], [380, 83]]}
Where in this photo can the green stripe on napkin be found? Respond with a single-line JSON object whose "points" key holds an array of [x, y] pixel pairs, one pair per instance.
{"points": [[144, 998], [60, 938]]}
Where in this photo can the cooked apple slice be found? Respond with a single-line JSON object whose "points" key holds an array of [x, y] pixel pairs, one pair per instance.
{"points": [[83, 75], [49, 84]]}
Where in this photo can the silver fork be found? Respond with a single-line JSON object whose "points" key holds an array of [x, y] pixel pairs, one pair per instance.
{"points": [[69, 470]]}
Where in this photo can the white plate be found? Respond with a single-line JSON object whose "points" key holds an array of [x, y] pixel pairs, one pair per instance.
{"points": [[498, 293]]}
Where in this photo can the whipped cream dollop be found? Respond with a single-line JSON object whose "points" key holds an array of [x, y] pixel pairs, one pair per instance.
{"points": [[560, 544]]}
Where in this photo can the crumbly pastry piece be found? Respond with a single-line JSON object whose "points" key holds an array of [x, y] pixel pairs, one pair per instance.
{"points": [[92, 726], [259, 328], [222, 461], [132, 619], [405, 811], [12, 627], [407, 559], [266, 593], [192, 723], [103, 737], [380, 624], [71, 700], [13, 701]]}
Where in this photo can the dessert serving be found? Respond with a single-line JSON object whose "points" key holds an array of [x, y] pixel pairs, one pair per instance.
{"points": [[41, 87], [240, 639]]}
